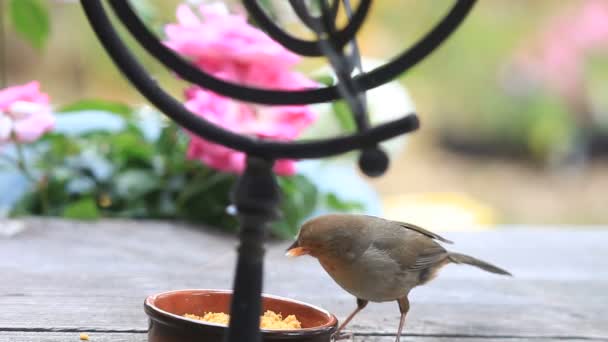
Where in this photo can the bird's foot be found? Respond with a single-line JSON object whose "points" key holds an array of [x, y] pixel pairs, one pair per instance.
{"points": [[342, 336]]}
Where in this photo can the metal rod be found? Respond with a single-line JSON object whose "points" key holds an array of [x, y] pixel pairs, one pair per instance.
{"points": [[301, 46], [305, 16], [341, 64], [355, 62], [257, 199]]}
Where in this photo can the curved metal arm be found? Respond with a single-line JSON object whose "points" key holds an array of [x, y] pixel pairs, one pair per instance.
{"points": [[305, 16], [342, 64], [301, 46], [190, 73], [267, 149]]}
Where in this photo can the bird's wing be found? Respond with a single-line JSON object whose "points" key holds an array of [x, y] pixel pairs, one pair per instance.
{"points": [[417, 253], [423, 231], [428, 257]]}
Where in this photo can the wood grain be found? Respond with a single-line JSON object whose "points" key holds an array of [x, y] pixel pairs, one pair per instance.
{"points": [[70, 337], [140, 337], [69, 276]]}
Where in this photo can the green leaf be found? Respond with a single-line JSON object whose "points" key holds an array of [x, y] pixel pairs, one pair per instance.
{"points": [[31, 20], [266, 4], [208, 204], [83, 209], [344, 116], [101, 105], [80, 185], [60, 146], [299, 201], [325, 80], [333, 202], [92, 163], [55, 195], [131, 146], [201, 184], [134, 183], [266, 7], [171, 142], [551, 129], [166, 205], [307, 194], [146, 10], [283, 230], [25, 206], [134, 209]]}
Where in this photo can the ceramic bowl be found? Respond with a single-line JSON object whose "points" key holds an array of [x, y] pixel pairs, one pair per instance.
{"points": [[167, 323]]}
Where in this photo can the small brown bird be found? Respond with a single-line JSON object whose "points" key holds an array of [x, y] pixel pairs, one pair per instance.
{"points": [[376, 259]]}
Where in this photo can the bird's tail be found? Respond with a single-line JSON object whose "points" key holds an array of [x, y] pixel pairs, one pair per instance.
{"points": [[458, 258]]}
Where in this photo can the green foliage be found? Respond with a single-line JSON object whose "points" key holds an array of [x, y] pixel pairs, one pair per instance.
{"points": [[596, 76], [101, 173], [82, 209], [300, 198], [100, 105], [31, 20], [551, 128], [344, 116], [326, 80], [333, 202]]}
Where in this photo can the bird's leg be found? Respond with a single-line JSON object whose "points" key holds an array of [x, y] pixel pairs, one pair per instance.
{"points": [[361, 303], [404, 307]]}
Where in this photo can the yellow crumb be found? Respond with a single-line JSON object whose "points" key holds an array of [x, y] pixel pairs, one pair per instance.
{"points": [[270, 320], [84, 337], [211, 317]]}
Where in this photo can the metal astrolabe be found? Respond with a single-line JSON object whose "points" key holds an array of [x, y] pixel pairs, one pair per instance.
{"points": [[256, 195]]}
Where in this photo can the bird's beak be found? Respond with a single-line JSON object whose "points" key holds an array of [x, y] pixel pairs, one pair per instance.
{"points": [[295, 250]]}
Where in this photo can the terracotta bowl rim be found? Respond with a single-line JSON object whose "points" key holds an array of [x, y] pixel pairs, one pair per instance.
{"points": [[327, 327]]}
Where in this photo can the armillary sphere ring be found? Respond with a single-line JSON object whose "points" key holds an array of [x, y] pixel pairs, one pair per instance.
{"points": [[173, 108]]}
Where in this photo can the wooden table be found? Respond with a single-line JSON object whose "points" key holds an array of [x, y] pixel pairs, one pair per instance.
{"points": [[61, 278]]}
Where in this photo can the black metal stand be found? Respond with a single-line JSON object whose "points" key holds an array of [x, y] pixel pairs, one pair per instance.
{"points": [[257, 198]]}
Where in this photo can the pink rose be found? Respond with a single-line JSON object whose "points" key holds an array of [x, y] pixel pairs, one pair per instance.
{"points": [[221, 41], [216, 156], [226, 46], [264, 122], [25, 114], [228, 160]]}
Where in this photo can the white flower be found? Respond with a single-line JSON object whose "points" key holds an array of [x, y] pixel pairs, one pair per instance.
{"points": [[6, 127], [24, 109]]}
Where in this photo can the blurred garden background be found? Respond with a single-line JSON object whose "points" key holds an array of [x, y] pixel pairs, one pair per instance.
{"points": [[514, 106]]}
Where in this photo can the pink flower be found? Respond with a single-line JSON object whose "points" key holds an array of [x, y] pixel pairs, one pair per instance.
{"points": [[25, 114], [224, 42], [226, 46], [277, 123]]}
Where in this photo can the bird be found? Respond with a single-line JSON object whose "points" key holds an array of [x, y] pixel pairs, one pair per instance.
{"points": [[377, 260]]}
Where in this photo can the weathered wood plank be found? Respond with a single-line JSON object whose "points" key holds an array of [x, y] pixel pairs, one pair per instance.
{"points": [[365, 338], [83, 276], [359, 338], [70, 337], [141, 337]]}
